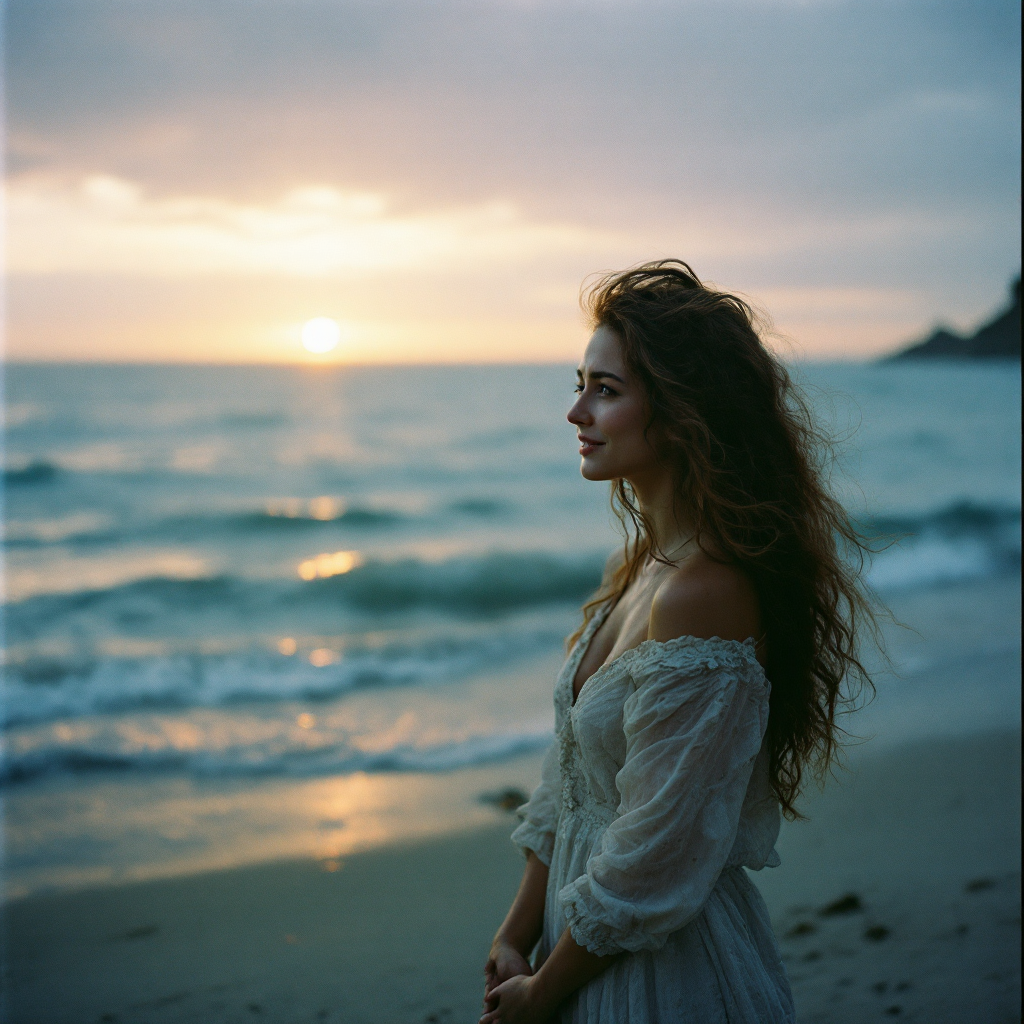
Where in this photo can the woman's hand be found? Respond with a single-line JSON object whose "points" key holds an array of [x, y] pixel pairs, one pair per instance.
{"points": [[504, 962], [517, 936], [515, 1002]]}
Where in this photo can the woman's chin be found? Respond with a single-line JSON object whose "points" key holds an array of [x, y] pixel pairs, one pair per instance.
{"points": [[591, 470]]}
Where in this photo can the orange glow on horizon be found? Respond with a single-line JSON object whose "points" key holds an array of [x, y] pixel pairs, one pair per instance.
{"points": [[117, 274]]}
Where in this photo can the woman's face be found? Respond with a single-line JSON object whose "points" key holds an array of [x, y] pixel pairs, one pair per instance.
{"points": [[610, 414]]}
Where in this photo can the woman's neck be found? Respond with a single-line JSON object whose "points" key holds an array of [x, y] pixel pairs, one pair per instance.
{"points": [[671, 525]]}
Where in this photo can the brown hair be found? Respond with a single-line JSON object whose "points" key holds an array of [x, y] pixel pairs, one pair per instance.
{"points": [[749, 465]]}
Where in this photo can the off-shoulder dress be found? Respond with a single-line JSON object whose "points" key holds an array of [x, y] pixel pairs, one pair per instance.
{"points": [[653, 799]]}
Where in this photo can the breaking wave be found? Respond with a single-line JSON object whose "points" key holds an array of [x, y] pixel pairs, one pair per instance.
{"points": [[272, 757], [467, 586], [961, 542], [44, 691]]}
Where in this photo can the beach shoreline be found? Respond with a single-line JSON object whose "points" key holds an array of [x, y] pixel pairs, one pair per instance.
{"points": [[926, 836], [957, 671]]}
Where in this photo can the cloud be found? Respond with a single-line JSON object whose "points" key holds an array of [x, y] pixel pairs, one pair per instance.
{"points": [[107, 225], [486, 153], [619, 109]]}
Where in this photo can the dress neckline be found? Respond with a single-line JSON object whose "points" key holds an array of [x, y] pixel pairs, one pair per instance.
{"points": [[687, 639], [582, 646]]}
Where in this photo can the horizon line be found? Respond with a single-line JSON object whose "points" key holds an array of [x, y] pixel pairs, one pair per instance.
{"points": [[421, 364]]}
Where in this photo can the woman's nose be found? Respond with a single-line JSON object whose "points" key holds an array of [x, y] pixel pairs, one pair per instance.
{"points": [[578, 415]]}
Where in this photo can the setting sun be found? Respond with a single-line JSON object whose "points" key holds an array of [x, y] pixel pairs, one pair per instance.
{"points": [[320, 335]]}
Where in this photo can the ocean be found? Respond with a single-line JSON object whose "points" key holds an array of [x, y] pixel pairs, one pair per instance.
{"points": [[227, 587]]}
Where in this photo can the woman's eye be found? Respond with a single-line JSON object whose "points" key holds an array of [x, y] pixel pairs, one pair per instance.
{"points": [[578, 388]]}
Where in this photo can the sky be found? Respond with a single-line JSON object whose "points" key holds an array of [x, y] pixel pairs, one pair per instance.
{"points": [[193, 180]]}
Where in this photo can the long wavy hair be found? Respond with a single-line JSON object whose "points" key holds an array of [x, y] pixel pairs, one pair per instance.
{"points": [[750, 468]]}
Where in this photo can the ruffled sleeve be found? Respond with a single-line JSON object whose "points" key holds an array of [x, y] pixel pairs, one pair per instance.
{"points": [[694, 727], [539, 815]]}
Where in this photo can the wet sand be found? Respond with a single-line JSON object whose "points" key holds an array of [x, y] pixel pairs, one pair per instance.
{"points": [[915, 850], [900, 898]]}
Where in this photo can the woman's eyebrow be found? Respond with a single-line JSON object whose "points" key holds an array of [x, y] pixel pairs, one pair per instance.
{"points": [[598, 374]]}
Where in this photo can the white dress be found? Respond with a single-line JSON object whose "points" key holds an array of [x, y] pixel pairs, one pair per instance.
{"points": [[653, 799]]}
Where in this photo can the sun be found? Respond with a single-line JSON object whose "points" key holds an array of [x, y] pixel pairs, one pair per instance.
{"points": [[321, 334]]}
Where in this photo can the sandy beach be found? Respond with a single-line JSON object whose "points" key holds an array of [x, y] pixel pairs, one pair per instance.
{"points": [[900, 898]]}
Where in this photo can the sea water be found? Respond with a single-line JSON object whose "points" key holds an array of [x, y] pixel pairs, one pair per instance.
{"points": [[223, 583]]}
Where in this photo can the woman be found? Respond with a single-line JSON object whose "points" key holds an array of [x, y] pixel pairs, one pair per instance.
{"points": [[703, 682]]}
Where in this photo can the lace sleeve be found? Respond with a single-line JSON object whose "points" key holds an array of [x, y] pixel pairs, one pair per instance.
{"points": [[539, 815], [694, 727]]}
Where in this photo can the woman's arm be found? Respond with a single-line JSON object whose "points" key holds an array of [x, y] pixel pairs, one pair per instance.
{"points": [[532, 1000], [521, 928]]}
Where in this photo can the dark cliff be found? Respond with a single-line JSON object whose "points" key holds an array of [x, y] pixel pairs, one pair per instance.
{"points": [[997, 339]]}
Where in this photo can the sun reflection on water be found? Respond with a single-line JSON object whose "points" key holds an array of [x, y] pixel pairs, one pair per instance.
{"points": [[330, 564], [322, 657]]}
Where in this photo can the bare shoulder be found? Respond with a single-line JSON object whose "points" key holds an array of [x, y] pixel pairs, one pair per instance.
{"points": [[705, 598]]}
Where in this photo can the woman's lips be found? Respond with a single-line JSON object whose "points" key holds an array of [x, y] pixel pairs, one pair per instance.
{"points": [[588, 445]]}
